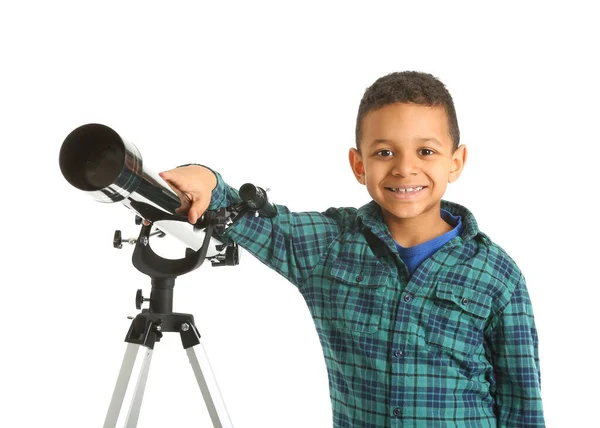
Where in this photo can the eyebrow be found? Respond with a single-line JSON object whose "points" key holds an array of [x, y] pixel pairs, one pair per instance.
{"points": [[419, 139], [429, 140]]}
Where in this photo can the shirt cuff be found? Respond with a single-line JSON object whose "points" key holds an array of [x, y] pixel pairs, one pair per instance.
{"points": [[219, 195]]}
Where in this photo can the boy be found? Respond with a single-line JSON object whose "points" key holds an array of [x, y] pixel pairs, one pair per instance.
{"points": [[423, 320]]}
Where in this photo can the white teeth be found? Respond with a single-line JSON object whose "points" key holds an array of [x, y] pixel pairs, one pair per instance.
{"points": [[407, 190]]}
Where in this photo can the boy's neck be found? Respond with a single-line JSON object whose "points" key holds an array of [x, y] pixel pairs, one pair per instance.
{"points": [[408, 232]]}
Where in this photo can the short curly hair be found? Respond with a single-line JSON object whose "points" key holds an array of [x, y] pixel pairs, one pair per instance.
{"points": [[408, 87]]}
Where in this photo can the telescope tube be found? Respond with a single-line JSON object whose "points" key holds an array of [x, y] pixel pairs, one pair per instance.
{"points": [[95, 159]]}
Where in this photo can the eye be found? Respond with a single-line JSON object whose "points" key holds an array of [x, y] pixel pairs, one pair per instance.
{"points": [[384, 153], [426, 152]]}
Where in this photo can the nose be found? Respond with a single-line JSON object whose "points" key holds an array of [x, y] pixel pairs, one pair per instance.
{"points": [[405, 165]]}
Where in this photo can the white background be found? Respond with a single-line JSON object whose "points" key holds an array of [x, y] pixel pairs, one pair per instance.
{"points": [[267, 93]]}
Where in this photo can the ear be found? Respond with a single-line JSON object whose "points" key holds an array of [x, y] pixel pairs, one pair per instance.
{"points": [[459, 158], [357, 165]]}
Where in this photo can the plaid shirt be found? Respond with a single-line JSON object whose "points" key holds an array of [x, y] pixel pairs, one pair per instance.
{"points": [[453, 345]]}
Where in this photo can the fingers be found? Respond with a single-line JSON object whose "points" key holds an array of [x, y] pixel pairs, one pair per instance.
{"points": [[175, 184], [197, 209], [193, 185], [166, 174], [193, 216], [172, 178], [193, 212]]}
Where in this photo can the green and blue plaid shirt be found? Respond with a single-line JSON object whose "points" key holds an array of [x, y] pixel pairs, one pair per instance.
{"points": [[453, 345]]}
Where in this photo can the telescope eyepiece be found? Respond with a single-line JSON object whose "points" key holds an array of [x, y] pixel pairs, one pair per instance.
{"points": [[256, 199]]}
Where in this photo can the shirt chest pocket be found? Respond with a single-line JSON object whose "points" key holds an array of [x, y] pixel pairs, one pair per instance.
{"points": [[457, 318], [356, 298]]}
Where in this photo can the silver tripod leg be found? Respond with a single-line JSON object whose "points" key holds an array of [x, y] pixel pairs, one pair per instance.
{"points": [[209, 388], [138, 395], [121, 387]]}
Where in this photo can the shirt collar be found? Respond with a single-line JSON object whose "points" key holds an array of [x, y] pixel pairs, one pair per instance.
{"points": [[370, 215]]}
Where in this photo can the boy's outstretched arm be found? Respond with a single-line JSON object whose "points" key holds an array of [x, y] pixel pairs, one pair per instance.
{"points": [[291, 243], [513, 349]]}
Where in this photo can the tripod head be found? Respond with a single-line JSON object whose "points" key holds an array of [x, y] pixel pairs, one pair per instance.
{"points": [[149, 325]]}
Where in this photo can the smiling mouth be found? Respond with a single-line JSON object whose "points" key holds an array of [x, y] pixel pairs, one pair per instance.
{"points": [[405, 190]]}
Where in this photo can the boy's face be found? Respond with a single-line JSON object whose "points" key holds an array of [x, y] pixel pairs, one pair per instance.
{"points": [[406, 160]]}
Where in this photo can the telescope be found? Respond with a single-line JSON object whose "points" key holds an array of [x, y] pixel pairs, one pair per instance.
{"points": [[96, 160]]}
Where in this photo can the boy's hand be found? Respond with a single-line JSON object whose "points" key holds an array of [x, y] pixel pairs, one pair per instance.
{"points": [[194, 185]]}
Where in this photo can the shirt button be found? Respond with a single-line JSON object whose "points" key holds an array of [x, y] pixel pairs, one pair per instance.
{"points": [[465, 301], [359, 278], [407, 297], [397, 411], [398, 353]]}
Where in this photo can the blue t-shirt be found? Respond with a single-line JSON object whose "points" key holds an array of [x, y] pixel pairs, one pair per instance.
{"points": [[414, 256]]}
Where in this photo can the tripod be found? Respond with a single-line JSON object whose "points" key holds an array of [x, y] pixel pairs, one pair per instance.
{"points": [[148, 327]]}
